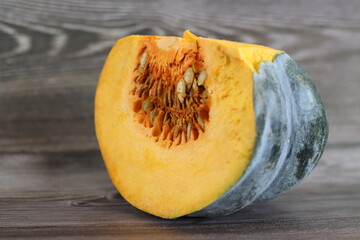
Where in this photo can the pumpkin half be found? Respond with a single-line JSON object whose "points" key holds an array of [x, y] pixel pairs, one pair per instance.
{"points": [[203, 127]]}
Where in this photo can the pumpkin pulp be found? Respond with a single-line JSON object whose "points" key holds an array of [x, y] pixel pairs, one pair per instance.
{"points": [[160, 173], [169, 92]]}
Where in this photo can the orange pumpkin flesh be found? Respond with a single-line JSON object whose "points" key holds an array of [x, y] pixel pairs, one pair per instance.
{"points": [[154, 163]]}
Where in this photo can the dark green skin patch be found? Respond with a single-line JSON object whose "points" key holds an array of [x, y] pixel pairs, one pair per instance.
{"points": [[292, 131]]}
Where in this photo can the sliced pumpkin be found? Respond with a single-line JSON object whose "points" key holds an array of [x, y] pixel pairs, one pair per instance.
{"points": [[175, 119]]}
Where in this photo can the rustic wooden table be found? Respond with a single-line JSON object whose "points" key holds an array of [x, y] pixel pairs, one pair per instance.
{"points": [[53, 182]]}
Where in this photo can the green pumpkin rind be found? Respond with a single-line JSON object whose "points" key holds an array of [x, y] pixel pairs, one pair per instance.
{"points": [[292, 131]]}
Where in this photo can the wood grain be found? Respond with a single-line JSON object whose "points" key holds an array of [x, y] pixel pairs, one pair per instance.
{"points": [[69, 194], [52, 179]]}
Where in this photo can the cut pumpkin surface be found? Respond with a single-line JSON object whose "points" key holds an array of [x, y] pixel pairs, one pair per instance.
{"points": [[176, 121]]}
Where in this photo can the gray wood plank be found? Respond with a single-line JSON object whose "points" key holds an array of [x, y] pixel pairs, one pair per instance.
{"points": [[58, 194], [49, 69]]}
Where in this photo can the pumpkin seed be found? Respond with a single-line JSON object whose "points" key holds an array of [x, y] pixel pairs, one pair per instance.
{"points": [[153, 89], [148, 81], [187, 103], [147, 105], [169, 98], [166, 131], [202, 77], [137, 89], [188, 131], [180, 90], [143, 60], [144, 93], [137, 106], [142, 80], [153, 115], [200, 122], [205, 94], [195, 86], [151, 83], [193, 68], [165, 98], [165, 120], [176, 131], [158, 90], [189, 76]]}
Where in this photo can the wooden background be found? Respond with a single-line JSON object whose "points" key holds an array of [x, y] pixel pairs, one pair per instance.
{"points": [[52, 179]]}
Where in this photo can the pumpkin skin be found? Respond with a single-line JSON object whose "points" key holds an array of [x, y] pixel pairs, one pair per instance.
{"points": [[286, 135], [292, 131]]}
